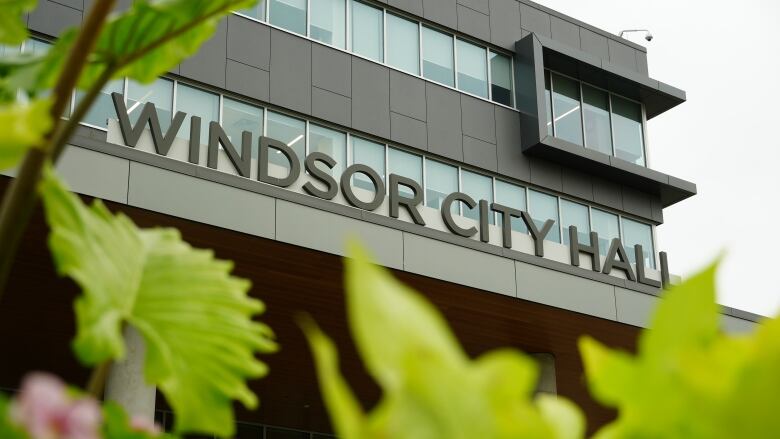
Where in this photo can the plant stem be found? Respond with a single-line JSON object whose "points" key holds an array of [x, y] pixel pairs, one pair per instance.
{"points": [[97, 380], [21, 196]]}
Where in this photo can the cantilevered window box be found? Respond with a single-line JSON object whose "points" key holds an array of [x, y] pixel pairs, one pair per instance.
{"points": [[579, 110]]}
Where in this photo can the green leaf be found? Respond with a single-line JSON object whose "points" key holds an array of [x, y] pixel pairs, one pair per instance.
{"points": [[12, 29], [7, 429], [23, 126], [431, 389], [194, 316]]}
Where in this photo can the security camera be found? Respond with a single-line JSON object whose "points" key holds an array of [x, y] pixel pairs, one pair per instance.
{"points": [[649, 37]]}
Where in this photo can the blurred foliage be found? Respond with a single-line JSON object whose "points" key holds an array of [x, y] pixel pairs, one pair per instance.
{"points": [[12, 29], [22, 125]]}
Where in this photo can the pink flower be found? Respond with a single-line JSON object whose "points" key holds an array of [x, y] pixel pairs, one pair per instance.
{"points": [[46, 410], [144, 425]]}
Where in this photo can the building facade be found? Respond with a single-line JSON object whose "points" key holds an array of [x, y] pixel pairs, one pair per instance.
{"points": [[458, 139]]}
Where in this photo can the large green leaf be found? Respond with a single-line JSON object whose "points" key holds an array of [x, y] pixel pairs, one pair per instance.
{"points": [[7, 429], [23, 126], [431, 389], [194, 316], [12, 29]]}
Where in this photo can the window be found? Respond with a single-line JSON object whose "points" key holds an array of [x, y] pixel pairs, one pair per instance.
{"points": [[438, 58], [472, 68], [406, 165], [501, 78], [329, 22], [367, 31], [238, 117], [598, 132], [196, 102], [637, 233], [478, 187], [543, 207], [160, 93], [289, 131], [103, 107], [257, 11], [289, 14], [440, 181], [36, 47], [566, 109], [548, 102], [371, 154], [575, 214], [403, 44], [627, 122], [332, 143], [606, 225], [513, 196]]}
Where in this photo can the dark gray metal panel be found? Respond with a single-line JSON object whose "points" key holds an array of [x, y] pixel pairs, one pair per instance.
{"points": [[535, 20], [121, 5], [247, 80], [473, 23], [290, 71], [478, 119], [607, 193], [565, 32], [370, 97], [505, 23], [445, 136], [75, 4], [408, 131], [249, 42], [593, 43], [412, 6], [331, 70], [658, 212], [546, 174], [511, 160], [641, 62], [52, 18], [208, 65], [482, 6], [330, 106], [577, 184], [622, 55], [637, 202], [407, 95], [441, 11], [480, 154]]}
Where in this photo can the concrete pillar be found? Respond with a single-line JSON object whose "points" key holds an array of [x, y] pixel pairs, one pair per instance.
{"points": [[125, 384], [546, 373]]}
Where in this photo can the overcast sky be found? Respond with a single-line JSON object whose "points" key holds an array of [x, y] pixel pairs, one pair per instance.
{"points": [[725, 138]]}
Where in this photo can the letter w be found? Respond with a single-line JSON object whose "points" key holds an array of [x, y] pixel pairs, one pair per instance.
{"points": [[131, 134]]}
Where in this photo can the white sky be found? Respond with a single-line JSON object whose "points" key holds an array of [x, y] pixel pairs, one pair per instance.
{"points": [[726, 56]]}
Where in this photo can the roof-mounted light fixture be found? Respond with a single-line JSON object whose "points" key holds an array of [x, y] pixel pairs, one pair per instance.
{"points": [[648, 35]]}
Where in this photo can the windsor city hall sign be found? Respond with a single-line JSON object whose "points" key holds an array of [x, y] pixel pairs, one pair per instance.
{"points": [[327, 188]]}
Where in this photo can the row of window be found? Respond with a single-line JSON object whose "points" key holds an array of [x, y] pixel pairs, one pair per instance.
{"points": [[385, 37], [245, 430], [594, 118]]}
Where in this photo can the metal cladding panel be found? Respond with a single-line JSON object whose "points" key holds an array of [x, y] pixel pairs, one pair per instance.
{"points": [[208, 65], [577, 184], [637, 202], [482, 6], [52, 18], [94, 174], [478, 119], [473, 23], [443, 12], [480, 154], [370, 97], [290, 71], [247, 80], [565, 32], [408, 131], [407, 95], [505, 23], [634, 308], [594, 43], [534, 20], [511, 160], [622, 55], [445, 135], [331, 106], [411, 6], [331, 70], [546, 174], [248, 43]]}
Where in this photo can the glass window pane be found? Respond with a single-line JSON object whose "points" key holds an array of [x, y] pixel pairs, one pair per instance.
{"points": [[513, 196], [543, 207], [575, 214], [406, 165], [196, 102], [472, 68], [606, 225], [289, 14], [440, 181], [36, 47], [371, 154], [438, 57], [548, 102], [598, 133], [103, 107], [566, 106], [478, 187], [331, 143], [501, 78], [159, 92], [635, 233], [403, 44], [257, 11], [627, 122], [329, 22], [367, 30], [238, 117], [288, 130]]}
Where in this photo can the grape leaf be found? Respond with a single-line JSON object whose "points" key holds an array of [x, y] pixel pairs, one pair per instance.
{"points": [[23, 126], [12, 29]]}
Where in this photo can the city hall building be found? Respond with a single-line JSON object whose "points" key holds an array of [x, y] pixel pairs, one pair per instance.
{"points": [[459, 140]]}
